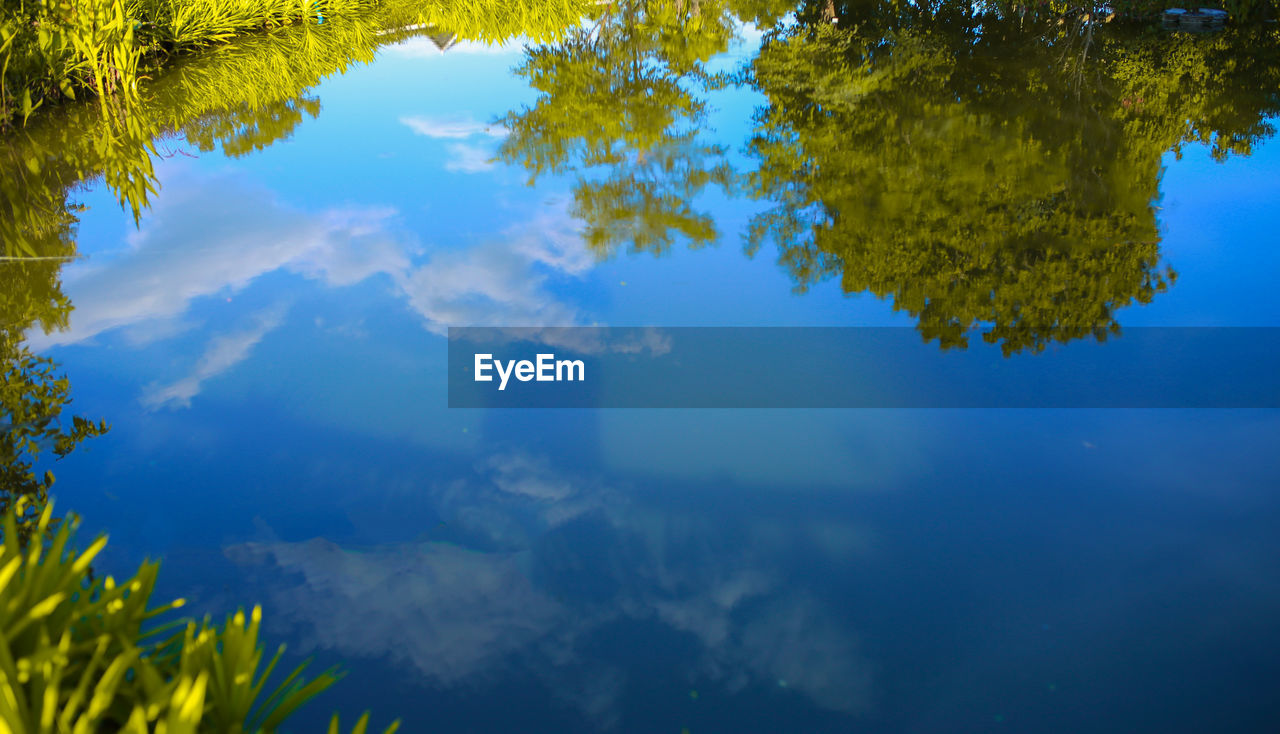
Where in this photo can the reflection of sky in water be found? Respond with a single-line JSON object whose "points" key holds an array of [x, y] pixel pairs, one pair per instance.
{"points": [[268, 349]]}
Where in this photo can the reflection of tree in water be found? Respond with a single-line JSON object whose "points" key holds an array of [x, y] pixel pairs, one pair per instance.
{"points": [[976, 165], [979, 172], [238, 98], [32, 393], [621, 105], [32, 397]]}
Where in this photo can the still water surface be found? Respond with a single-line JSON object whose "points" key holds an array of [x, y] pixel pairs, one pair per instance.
{"points": [[267, 343]]}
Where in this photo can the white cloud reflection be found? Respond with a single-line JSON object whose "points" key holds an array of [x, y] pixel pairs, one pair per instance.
{"points": [[223, 353], [211, 237], [451, 128], [468, 158], [454, 615], [502, 282], [465, 155]]}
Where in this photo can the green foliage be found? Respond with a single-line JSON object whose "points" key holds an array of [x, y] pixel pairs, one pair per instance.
{"points": [[32, 397], [1251, 10], [58, 48], [52, 49], [240, 97], [32, 393], [1215, 89], [988, 164], [977, 174], [190, 24], [619, 107], [40, 167], [888, 13], [496, 21], [39, 227], [85, 655]]}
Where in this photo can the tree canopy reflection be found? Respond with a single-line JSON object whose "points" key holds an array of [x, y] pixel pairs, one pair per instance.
{"points": [[621, 102], [987, 172], [32, 392], [238, 98], [975, 166]]}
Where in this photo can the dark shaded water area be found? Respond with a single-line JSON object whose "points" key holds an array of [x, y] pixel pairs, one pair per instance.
{"points": [[250, 277]]}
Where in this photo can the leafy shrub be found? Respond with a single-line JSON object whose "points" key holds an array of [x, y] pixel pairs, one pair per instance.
{"points": [[79, 654], [55, 48], [50, 49]]}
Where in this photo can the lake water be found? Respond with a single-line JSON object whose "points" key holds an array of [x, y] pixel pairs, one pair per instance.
{"points": [[268, 344]]}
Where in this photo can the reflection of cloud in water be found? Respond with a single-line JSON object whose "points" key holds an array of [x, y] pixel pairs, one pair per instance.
{"points": [[464, 157], [802, 645], [210, 234], [446, 611], [451, 128], [573, 560], [223, 353], [469, 158], [502, 282], [521, 474]]}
